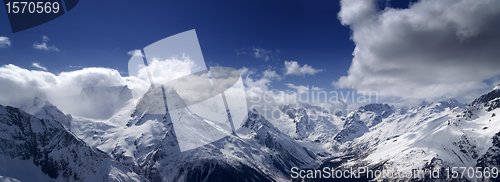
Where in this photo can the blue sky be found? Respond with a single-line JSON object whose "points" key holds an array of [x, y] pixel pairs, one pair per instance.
{"points": [[101, 33]]}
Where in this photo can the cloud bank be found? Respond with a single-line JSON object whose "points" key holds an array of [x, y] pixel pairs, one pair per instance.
{"points": [[73, 91], [433, 49], [64, 90], [19, 86]]}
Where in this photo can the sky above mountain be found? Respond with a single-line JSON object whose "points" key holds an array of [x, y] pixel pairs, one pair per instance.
{"points": [[405, 51]]}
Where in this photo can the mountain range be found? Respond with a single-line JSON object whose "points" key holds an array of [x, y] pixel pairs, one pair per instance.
{"points": [[40, 140]]}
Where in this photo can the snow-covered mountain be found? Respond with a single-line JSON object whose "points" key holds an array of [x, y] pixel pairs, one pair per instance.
{"points": [[310, 122], [102, 102], [139, 141], [359, 121], [36, 149], [432, 136], [145, 140], [43, 109], [312, 126]]}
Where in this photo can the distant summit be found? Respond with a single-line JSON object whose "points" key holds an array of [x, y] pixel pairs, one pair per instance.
{"points": [[103, 101]]}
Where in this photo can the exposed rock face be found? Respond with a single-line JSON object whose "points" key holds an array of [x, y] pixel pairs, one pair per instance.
{"points": [[45, 143]]}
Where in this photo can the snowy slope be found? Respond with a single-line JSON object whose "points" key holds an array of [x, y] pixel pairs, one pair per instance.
{"points": [[310, 123], [441, 134], [46, 151], [139, 141], [314, 127], [146, 142], [43, 109], [258, 152]]}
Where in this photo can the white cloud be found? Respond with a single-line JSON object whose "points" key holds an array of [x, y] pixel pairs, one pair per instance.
{"points": [[433, 49], [263, 83], [19, 87], [302, 88], [271, 75], [4, 42], [299, 88], [166, 70], [294, 68], [245, 71], [264, 98], [356, 11], [64, 90], [261, 95], [136, 52], [44, 46], [316, 88], [260, 53], [38, 65]]}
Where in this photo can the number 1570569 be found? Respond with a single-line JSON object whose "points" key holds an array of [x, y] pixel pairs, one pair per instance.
{"points": [[471, 172], [33, 7]]}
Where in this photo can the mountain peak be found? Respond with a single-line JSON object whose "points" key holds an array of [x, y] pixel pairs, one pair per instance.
{"points": [[353, 128], [43, 109], [485, 99], [452, 103], [497, 87], [35, 143], [375, 107], [103, 101], [255, 119], [38, 103]]}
